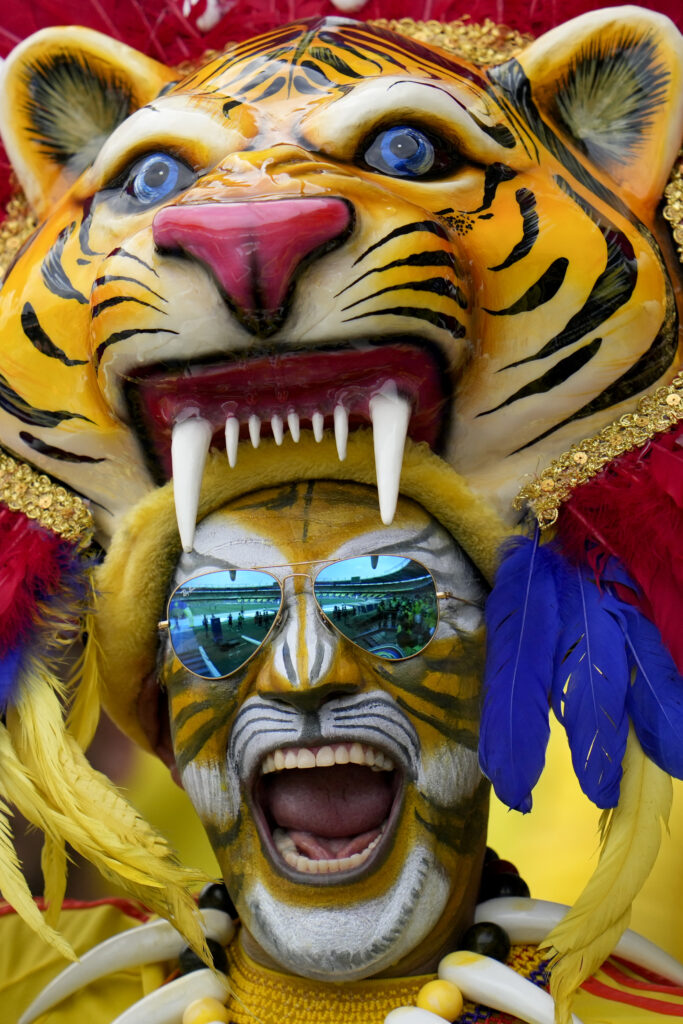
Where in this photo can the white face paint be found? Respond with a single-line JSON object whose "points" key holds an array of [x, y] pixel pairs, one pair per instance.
{"points": [[339, 789]]}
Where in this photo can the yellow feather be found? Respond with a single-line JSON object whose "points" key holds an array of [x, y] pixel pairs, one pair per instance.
{"points": [[631, 836], [53, 864], [81, 805], [84, 713], [16, 891]]}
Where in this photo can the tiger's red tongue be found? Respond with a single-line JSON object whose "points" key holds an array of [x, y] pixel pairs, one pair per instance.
{"points": [[330, 812]]}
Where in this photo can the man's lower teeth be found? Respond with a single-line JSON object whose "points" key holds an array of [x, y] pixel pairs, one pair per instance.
{"points": [[289, 853], [389, 415]]}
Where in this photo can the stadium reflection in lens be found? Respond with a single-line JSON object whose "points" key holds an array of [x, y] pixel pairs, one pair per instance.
{"points": [[219, 620], [384, 603]]}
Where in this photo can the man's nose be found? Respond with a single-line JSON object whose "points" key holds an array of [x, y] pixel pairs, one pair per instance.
{"points": [[306, 658]]}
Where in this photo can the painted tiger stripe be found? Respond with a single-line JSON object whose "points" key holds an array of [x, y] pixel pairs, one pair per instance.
{"points": [[541, 291], [54, 276], [425, 58], [39, 338], [110, 278], [124, 254], [639, 377], [611, 290], [430, 226], [553, 377], [435, 285], [52, 452], [129, 332], [15, 405], [465, 737], [526, 200], [116, 300], [429, 258], [447, 323]]}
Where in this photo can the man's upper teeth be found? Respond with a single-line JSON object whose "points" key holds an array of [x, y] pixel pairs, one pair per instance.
{"points": [[284, 759], [389, 414]]}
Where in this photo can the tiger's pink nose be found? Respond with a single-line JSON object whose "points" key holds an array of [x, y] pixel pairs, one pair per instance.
{"points": [[255, 249]]}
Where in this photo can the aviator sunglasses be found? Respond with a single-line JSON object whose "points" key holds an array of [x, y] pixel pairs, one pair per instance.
{"points": [[387, 605]]}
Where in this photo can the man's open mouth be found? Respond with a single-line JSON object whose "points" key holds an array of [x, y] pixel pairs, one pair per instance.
{"points": [[327, 810], [398, 387]]}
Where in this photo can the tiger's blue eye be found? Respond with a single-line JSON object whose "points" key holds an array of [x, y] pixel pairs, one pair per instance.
{"points": [[401, 151], [155, 178]]}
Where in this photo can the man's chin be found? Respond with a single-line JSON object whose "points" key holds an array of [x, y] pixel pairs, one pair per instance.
{"points": [[356, 940]]}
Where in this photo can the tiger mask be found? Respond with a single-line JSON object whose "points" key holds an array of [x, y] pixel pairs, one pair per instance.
{"points": [[333, 226]]}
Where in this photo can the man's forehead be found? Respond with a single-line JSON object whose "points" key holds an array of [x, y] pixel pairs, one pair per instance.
{"points": [[322, 57], [301, 521]]}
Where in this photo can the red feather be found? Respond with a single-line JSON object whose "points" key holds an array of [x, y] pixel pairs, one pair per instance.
{"points": [[633, 511], [34, 567]]}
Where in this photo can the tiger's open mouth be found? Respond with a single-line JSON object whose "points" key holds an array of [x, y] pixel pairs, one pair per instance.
{"points": [[327, 810], [399, 387]]}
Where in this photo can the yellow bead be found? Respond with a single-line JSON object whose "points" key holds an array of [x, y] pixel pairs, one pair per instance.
{"points": [[441, 997], [206, 1011]]}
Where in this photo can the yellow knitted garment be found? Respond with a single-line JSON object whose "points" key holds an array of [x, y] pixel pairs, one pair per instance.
{"points": [[262, 995]]}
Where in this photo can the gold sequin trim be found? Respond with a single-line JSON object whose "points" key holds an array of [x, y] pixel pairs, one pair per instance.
{"points": [[655, 413], [673, 211], [482, 43], [24, 490], [18, 224]]}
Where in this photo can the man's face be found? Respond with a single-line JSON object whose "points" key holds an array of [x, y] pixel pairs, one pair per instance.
{"points": [[340, 790]]}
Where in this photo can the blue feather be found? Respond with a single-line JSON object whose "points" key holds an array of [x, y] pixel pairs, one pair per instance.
{"points": [[9, 672], [522, 628], [589, 688], [655, 696]]}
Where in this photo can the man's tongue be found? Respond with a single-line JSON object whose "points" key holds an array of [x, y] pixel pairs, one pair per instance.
{"points": [[330, 812]]}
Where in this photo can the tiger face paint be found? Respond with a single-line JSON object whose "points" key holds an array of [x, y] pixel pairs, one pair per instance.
{"points": [[332, 226], [369, 861]]}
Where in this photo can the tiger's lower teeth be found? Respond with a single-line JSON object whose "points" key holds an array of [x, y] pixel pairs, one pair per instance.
{"points": [[389, 414], [307, 865]]}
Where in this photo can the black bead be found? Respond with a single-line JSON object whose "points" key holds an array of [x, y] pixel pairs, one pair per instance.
{"points": [[502, 884], [488, 939], [189, 961], [215, 896], [490, 855]]}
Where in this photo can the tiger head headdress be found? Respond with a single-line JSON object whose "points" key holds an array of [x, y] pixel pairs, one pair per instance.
{"points": [[333, 227]]}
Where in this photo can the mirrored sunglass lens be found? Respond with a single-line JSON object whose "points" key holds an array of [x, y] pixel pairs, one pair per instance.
{"points": [[218, 620], [384, 603]]}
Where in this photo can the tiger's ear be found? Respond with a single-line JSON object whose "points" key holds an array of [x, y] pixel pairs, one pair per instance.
{"points": [[610, 83], [63, 91]]}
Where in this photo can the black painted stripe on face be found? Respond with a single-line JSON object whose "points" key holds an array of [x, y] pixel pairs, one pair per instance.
{"points": [[612, 289], [464, 737], [275, 87], [58, 454], [116, 300], [554, 377], [117, 336], [540, 292], [430, 258], [53, 273], [338, 41], [16, 406], [430, 226], [324, 55], [434, 285], [446, 323], [30, 325], [526, 200]]}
